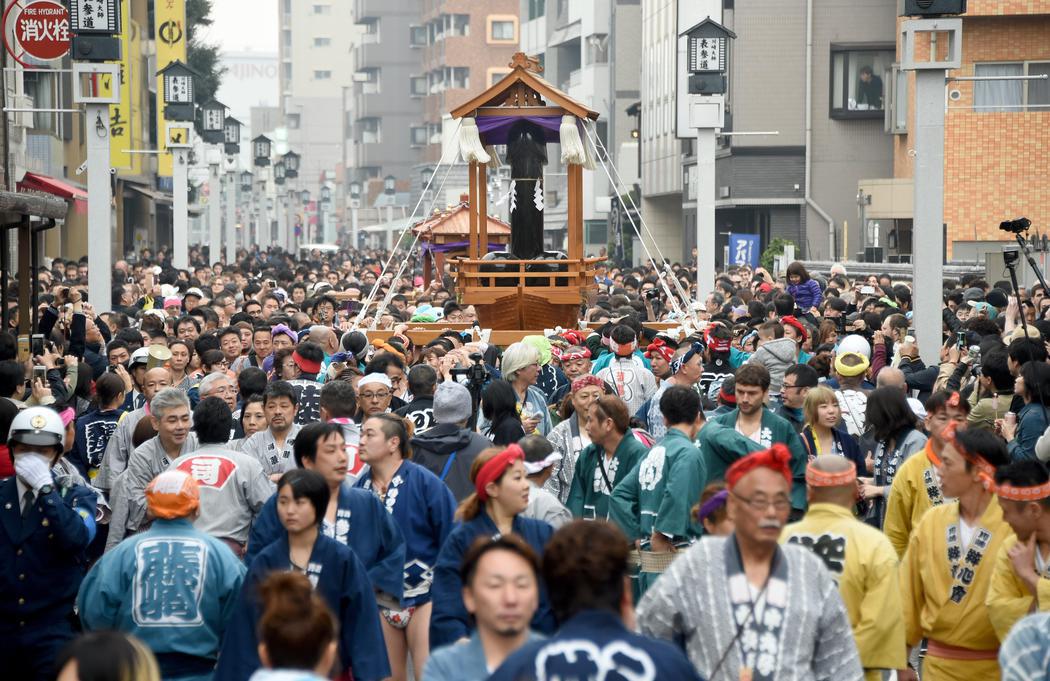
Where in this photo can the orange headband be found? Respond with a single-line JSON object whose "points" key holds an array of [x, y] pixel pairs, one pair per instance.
{"points": [[387, 347], [818, 478], [985, 469], [1013, 493]]}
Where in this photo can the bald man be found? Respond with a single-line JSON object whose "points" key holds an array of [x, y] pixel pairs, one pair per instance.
{"points": [[120, 446], [860, 558], [892, 377]]}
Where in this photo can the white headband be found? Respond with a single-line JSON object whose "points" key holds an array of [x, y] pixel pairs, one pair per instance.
{"points": [[381, 379], [534, 467]]}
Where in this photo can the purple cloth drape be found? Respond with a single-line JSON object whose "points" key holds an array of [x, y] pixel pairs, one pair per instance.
{"points": [[445, 248], [494, 129]]}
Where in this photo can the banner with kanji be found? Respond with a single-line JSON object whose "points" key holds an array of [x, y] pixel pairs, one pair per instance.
{"points": [[169, 26], [122, 130]]}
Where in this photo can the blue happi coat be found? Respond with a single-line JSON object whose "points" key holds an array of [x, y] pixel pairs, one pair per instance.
{"points": [[423, 508], [449, 620], [172, 586], [361, 523], [595, 644], [341, 580], [92, 434]]}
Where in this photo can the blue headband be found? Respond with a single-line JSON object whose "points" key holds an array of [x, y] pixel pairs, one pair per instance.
{"points": [[677, 363]]}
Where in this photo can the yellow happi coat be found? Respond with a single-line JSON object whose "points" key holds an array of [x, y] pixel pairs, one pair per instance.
{"points": [[927, 586], [1009, 598], [865, 567], [915, 490]]}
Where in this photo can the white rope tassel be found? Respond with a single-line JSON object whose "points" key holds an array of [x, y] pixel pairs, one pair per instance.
{"points": [[589, 162], [470, 147], [537, 196], [513, 195], [572, 150]]}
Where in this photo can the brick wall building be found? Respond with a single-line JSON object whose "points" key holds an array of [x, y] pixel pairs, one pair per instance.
{"points": [[997, 134]]}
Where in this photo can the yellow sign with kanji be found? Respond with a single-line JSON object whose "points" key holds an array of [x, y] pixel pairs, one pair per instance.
{"points": [[169, 25], [179, 135], [122, 129]]}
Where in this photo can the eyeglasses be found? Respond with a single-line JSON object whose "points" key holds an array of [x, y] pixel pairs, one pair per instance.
{"points": [[381, 395], [760, 504]]}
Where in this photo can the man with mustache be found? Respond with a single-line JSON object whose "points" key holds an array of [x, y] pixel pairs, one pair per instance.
{"points": [[860, 558], [784, 614]]}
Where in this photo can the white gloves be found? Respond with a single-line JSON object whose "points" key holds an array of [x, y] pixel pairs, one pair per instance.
{"points": [[34, 469]]}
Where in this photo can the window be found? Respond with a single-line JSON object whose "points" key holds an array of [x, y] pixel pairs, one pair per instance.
{"points": [[419, 135], [293, 121], [460, 77], [857, 81], [897, 101], [460, 24], [42, 88], [598, 48], [322, 42], [537, 8], [1011, 95], [496, 75], [322, 9], [287, 5], [369, 79], [417, 86], [287, 68], [371, 131], [503, 30], [322, 75], [417, 36], [1038, 90]]}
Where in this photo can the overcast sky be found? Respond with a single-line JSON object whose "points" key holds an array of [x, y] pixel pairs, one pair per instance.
{"points": [[244, 25]]}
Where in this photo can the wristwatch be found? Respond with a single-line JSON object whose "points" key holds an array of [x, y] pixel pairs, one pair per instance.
{"points": [[46, 489]]}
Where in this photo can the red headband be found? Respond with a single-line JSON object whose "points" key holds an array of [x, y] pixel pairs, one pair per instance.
{"points": [[308, 366], [623, 350], [777, 458], [715, 344], [791, 321], [493, 469], [573, 336], [659, 347], [572, 353], [726, 397], [586, 380], [986, 470]]}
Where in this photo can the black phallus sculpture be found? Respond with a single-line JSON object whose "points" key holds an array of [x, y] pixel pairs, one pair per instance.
{"points": [[527, 154]]}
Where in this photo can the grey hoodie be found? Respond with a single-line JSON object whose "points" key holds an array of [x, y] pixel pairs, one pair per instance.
{"points": [[776, 356]]}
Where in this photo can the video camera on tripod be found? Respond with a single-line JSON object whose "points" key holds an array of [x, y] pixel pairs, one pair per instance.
{"points": [[474, 377], [1012, 256]]}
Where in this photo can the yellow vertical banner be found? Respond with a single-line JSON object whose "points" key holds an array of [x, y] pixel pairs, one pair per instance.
{"points": [[169, 27], [120, 127], [136, 86]]}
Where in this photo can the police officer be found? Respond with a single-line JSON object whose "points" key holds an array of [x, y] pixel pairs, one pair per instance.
{"points": [[46, 529]]}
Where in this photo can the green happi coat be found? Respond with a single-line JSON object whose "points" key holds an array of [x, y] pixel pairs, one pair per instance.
{"points": [[774, 429], [591, 488]]}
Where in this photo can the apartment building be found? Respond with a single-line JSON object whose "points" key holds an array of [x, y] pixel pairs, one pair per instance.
{"points": [[591, 50], [996, 145]]}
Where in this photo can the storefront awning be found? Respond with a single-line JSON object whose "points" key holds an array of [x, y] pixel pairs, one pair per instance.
{"points": [[56, 187], [156, 196]]}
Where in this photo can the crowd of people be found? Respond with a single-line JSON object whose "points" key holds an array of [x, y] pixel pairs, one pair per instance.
{"points": [[252, 471]]}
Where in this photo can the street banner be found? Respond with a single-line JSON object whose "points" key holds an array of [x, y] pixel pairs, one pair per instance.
{"points": [[169, 24], [744, 249]]}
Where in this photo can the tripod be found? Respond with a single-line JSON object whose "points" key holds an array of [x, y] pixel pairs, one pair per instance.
{"points": [[1010, 258]]}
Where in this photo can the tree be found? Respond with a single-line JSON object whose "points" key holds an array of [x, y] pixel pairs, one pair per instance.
{"points": [[775, 248], [203, 57]]}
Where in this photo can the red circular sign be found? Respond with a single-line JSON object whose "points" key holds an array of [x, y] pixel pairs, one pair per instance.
{"points": [[41, 29]]}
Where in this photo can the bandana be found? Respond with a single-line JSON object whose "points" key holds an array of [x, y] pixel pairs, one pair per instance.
{"points": [[659, 348], [818, 478], [793, 322], [855, 370], [696, 349], [726, 397], [711, 505], [307, 366], [574, 352], [746, 338], [625, 350], [573, 336], [777, 458], [716, 344], [173, 494], [387, 347], [281, 328], [493, 469], [586, 380], [381, 379], [534, 467], [1014, 493]]}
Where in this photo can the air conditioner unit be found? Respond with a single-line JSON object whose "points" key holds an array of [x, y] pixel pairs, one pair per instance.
{"points": [[723, 192]]}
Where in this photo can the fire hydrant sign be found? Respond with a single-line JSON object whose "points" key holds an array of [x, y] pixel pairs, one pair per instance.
{"points": [[39, 29]]}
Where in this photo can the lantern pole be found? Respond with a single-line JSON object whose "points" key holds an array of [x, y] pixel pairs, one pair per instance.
{"points": [[215, 207], [100, 201], [180, 256], [231, 212]]}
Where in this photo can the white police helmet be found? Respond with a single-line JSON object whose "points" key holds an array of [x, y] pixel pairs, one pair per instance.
{"points": [[39, 426]]}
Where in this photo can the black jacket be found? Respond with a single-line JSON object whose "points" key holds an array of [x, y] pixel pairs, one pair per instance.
{"points": [[433, 448]]}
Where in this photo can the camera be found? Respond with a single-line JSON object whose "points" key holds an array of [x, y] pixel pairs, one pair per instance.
{"points": [[1015, 226], [652, 294], [37, 344], [474, 377], [1011, 256]]}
